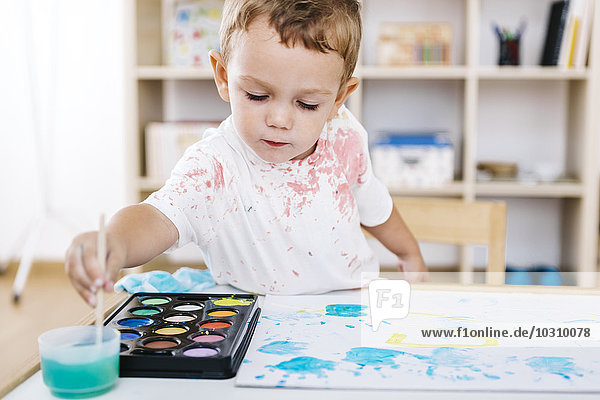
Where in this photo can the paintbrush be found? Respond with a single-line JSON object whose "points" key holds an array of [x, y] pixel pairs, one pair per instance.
{"points": [[101, 254]]}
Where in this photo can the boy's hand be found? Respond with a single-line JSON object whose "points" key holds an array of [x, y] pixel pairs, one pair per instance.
{"points": [[414, 269], [81, 264]]}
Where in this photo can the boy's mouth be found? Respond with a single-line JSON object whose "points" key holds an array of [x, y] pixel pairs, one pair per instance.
{"points": [[274, 144]]}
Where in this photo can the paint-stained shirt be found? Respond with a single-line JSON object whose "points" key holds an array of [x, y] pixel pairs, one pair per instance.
{"points": [[281, 228]]}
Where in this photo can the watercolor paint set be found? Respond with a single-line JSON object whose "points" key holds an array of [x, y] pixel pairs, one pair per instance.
{"points": [[184, 335]]}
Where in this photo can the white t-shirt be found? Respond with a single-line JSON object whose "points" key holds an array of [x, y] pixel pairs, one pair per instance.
{"points": [[280, 228]]}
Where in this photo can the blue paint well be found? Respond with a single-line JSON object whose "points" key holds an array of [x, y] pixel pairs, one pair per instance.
{"points": [[135, 322], [283, 347], [371, 356], [306, 365], [129, 335], [562, 366], [345, 310]]}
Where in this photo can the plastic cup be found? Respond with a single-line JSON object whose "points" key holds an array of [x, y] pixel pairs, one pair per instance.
{"points": [[78, 362]]}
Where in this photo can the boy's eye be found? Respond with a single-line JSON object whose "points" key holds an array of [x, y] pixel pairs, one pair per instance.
{"points": [[255, 97], [310, 107]]}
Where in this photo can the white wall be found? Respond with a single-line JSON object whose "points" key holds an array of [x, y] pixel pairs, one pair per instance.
{"points": [[76, 49]]}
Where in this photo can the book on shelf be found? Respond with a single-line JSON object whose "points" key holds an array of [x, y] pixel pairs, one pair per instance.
{"points": [[568, 33], [554, 32], [165, 143], [417, 43], [191, 30], [583, 11]]}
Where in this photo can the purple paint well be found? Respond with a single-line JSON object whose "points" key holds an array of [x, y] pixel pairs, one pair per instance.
{"points": [[200, 352], [208, 338]]}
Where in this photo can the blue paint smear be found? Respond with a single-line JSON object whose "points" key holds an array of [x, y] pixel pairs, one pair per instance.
{"points": [[345, 310], [283, 347], [260, 376], [371, 356], [562, 366], [449, 357], [306, 365], [491, 376], [350, 326]]}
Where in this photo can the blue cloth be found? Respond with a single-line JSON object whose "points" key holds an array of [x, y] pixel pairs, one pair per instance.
{"points": [[184, 280]]}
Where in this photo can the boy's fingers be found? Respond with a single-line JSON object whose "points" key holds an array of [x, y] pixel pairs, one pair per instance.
{"points": [[90, 265], [76, 270], [88, 296]]}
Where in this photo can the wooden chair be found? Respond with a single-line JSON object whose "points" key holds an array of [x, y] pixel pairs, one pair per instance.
{"points": [[459, 222]]}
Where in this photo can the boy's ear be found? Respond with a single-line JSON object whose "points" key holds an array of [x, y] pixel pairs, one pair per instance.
{"points": [[343, 93], [219, 74]]}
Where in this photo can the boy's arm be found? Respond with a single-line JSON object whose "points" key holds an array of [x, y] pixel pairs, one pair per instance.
{"points": [[396, 237], [134, 235]]}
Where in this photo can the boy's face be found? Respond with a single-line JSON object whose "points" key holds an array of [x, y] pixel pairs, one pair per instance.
{"points": [[280, 97]]}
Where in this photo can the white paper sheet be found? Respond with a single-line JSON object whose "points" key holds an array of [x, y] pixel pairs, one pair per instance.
{"points": [[305, 341]]}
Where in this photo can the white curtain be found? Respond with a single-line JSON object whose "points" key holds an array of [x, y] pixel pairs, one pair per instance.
{"points": [[62, 121]]}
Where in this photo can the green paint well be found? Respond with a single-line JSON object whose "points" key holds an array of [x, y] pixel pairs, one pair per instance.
{"points": [[155, 301], [145, 311]]}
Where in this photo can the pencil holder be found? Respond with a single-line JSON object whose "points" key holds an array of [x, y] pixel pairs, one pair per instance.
{"points": [[509, 51]]}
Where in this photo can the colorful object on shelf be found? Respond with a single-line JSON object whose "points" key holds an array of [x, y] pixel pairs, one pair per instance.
{"points": [[416, 43], [204, 341], [509, 51], [192, 30], [535, 275]]}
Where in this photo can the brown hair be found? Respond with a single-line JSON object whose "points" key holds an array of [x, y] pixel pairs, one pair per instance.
{"points": [[321, 25]]}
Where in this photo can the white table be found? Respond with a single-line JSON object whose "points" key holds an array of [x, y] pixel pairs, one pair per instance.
{"points": [[158, 388], [163, 388]]}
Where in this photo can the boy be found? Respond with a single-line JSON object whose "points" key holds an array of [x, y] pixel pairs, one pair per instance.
{"points": [[275, 197]]}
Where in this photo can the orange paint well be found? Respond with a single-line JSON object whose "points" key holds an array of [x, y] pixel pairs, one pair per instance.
{"points": [[216, 325]]}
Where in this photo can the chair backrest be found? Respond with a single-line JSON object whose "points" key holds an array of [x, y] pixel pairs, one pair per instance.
{"points": [[462, 223]]}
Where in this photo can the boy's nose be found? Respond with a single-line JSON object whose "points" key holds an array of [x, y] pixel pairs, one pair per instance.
{"points": [[279, 116]]}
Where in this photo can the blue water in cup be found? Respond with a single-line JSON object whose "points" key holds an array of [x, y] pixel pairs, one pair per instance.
{"points": [[79, 361]]}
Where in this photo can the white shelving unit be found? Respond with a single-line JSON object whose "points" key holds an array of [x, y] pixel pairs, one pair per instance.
{"points": [[459, 96]]}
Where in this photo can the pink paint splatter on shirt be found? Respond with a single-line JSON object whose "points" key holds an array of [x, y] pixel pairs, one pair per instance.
{"points": [[295, 272], [218, 171]]}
